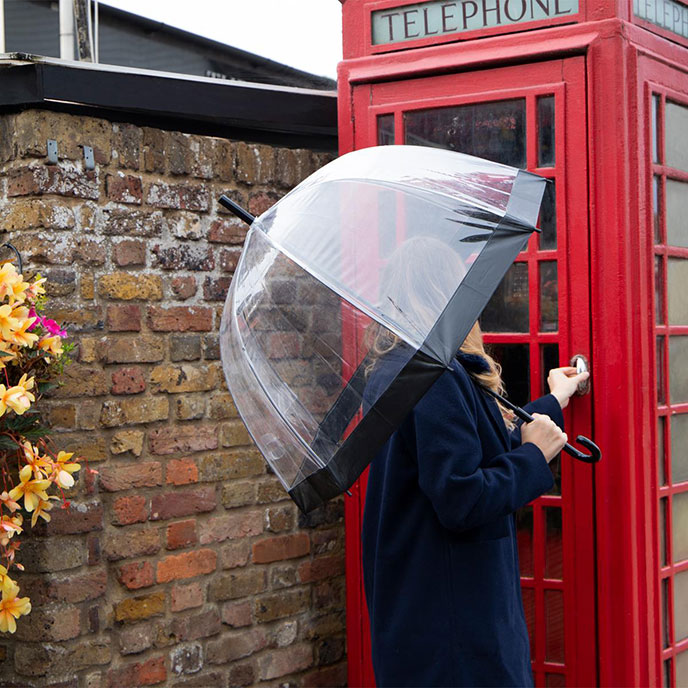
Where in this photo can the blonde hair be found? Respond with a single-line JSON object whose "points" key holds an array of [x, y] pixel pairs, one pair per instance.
{"points": [[417, 283]]}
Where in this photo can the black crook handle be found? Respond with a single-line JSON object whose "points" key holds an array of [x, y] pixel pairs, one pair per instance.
{"points": [[595, 453]]}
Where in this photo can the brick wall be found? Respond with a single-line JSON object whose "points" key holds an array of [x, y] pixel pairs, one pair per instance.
{"points": [[181, 562]]}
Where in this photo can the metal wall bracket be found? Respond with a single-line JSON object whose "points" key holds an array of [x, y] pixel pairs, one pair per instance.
{"points": [[52, 151], [89, 160]]}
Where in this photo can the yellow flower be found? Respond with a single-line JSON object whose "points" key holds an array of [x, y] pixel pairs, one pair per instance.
{"points": [[40, 465], [36, 288], [9, 279], [6, 583], [11, 608], [41, 510], [18, 398], [9, 353], [53, 345], [20, 335], [31, 490], [8, 324], [8, 502], [64, 469], [8, 527]]}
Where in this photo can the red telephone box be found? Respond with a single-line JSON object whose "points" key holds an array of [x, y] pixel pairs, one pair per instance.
{"points": [[592, 94]]}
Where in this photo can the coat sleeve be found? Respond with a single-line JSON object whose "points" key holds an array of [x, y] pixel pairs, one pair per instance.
{"points": [[465, 488], [547, 406]]}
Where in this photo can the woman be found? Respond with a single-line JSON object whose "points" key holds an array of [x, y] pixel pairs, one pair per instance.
{"points": [[439, 540]]}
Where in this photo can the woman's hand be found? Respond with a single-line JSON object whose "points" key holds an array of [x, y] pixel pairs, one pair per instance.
{"points": [[563, 383], [545, 434]]}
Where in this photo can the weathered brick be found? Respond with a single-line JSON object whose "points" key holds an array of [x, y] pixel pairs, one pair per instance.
{"points": [[134, 410], [237, 584], [76, 320], [182, 503], [87, 654], [183, 287], [329, 651], [328, 514], [230, 465], [235, 554], [128, 510], [183, 378], [62, 416], [129, 252], [123, 318], [283, 576], [52, 554], [136, 575], [35, 213], [237, 614], [187, 565], [235, 434], [127, 286], [52, 623], [271, 490], [127, 441], [81, 381], [327, 677], [200, 625], [211, 347], [223, 160], [154, 158], [124, 188], [65, 179], [221, 407], [148, 673], [127, 141], [329, 594], [278, 605], [189, 407], [127, 381], [180, 319], [236, 494], [181, 534], [61, 281], [115, 478], [321, 568], [172, 439], [77, 517], [182, 257], [133, 349], [227, 231], [229, 259], [186, 597], [231, 526], [37, 659], [215, 288], [178, 196], [140, 607], [87, 286], [114, 220], [185, 347], [135, 639], [233, 646], [188, 659], [181, 472], [261, 201], [280, 519], [289, 660], [131, 543]]}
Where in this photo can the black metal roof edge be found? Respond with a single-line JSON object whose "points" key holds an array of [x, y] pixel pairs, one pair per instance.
{"points": [[153, 25], [281, 115]]}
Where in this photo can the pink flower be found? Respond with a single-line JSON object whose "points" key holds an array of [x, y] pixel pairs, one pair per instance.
{"points": [[53, 327]]}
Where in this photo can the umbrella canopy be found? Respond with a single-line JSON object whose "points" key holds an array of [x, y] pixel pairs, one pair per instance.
{"points": [[382, 259]]}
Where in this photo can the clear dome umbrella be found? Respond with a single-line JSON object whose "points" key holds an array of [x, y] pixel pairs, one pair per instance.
{"points": [[353, 294]]}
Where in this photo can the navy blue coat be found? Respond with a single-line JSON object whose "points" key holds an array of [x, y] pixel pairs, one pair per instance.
{"points": [[440, 557]]}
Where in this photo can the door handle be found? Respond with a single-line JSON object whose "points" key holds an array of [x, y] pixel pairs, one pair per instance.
{"points": [[582, 365]]}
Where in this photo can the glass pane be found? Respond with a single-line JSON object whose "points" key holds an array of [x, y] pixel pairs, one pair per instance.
{"points": [[549, 296], [677, 212], [555, 467], [507, 310], [528, 595], [385, 130], [524, 535], [545, 117], [549, 357], [495, 131], [682, 670], [661, 389], [548, 217], [554, 550], [675, 139], [554, 625], [655, 132], [677, 289], [659, 290], [679, 448], [680, 606], [679, 526], [656, 204], [663, 559], [661, 424], [515, 362], [666, 617], [678, 365], [555, 680], [666, 675]]}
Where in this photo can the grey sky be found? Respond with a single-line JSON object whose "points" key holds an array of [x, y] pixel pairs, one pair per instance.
{"points": [[306, 34]]}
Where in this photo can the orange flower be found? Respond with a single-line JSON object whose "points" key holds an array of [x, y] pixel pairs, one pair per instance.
{"points": [[51, 344], [10, 280], [18, 398], [8, 324], [31, 490], [8, 527], [20, 335], [6, 583], [41, 510], [40, 465], [8, 502], [11, 608], [36, 287]]}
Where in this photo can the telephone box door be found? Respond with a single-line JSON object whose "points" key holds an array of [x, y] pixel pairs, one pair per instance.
{"points": [[531, 117]]}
